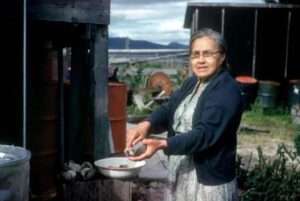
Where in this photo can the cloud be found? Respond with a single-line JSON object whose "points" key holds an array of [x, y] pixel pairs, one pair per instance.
{"points": [[134, 13], [143, 2], [158, 21]]}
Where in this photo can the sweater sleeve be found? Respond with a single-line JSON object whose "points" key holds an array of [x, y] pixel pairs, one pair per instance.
{"points": [[158, 119], [161, 116], [214, 122]]}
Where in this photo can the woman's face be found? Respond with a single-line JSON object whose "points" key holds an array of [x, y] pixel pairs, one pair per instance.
{"points": [[206, 57]]}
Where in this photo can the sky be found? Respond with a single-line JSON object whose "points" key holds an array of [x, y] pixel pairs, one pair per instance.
{"points": [[159, 21]]}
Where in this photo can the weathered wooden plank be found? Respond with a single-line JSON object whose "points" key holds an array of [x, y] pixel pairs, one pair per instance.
{"points": [[240, 41], [11, 11], [293, 70], [210, 17], [61, 114], [270, 61], [75, 11], [98, 190], [98, 87], [76, 113], [254, 36], [11, 79]]}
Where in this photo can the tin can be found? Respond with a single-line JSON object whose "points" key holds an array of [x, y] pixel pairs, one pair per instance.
{"points": [[136, 149]]}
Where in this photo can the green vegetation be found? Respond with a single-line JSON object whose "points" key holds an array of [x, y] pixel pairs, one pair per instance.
{"points": [[277, 122], [297, 140], [133, 77], [271, 179], [150, 65], [268, 117]]}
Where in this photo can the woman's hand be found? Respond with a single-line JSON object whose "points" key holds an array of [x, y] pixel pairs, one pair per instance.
{"points": [[136, 134], [152, 146]]}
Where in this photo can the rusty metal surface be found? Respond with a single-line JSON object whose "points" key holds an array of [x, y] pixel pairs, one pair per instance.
{"points": [[117, 102], [73, 11], [42, 123]]}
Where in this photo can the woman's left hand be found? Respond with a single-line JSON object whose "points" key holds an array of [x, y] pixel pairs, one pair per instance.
{"points": [[152, 146]]}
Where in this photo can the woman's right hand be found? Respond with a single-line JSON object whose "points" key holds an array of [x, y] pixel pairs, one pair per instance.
{"points": [[137, 133]]}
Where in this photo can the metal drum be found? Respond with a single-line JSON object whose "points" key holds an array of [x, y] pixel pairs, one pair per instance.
{"points": [[293, 93], [14, 173], [293, 100], [268, 92], [249, 86], [43, 125], [117, 102]]}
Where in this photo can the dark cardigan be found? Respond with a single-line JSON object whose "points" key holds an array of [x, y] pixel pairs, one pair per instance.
{"points": [[212, 140]]}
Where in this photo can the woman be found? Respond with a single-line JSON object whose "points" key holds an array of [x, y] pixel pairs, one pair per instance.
{"points": [[201, 118]]}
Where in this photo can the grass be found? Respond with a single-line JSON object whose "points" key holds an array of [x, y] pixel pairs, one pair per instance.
{"points": [[272, 125]]}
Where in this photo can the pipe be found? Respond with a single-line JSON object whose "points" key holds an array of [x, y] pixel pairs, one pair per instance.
{"points": [[223, 22], [24, 97], [61, 106], [254, 43], [287, 44]]}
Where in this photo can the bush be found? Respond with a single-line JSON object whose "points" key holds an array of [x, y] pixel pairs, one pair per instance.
{"points": [[277, 179], [297, 141]]}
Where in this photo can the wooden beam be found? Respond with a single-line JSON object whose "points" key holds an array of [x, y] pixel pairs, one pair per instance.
{"points": [[76, 114], [71, 11], [98, 95]]}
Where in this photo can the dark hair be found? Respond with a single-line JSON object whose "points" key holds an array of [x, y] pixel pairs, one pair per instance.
{"points": [[207, 32]]}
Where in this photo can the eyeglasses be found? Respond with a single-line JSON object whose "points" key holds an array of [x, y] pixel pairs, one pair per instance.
{"points": [[205, 54]]}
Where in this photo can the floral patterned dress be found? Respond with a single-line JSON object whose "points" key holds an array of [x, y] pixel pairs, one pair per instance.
{"points": [[183, 184]]}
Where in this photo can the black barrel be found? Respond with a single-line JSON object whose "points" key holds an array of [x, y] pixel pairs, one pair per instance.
{"points": [[268, 92], [249, 86]]}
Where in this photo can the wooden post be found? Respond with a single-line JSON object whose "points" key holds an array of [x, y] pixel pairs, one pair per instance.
{"points": [[98, 86], [77, 103]]}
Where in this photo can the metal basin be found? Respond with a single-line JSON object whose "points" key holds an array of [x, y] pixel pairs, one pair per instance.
{"points": [[119, 167]]}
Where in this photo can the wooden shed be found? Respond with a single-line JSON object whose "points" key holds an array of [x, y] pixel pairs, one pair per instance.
{"points": [[263, 39], [57, 113]]}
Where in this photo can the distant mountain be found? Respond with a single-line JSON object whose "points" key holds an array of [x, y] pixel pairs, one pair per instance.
{"points": [[126, 43], [174, 45]]}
